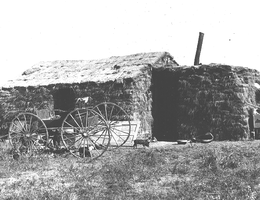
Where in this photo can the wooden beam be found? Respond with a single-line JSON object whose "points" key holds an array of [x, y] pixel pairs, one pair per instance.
{"points": [[199, 46]]}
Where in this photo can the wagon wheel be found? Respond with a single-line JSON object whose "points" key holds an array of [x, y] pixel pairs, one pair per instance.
{"points": [[28, 134], [85, 134], [118, 121]]}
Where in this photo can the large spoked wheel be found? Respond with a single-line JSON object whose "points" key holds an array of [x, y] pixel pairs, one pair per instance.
{"points": [[118, 121], [85, 134], [28, 134]]}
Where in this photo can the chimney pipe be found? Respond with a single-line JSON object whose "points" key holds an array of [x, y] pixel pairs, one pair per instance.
{"points": [[197, 56]]}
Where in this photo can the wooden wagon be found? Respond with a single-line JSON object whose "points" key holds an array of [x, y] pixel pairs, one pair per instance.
{"points": [[86, 132]]}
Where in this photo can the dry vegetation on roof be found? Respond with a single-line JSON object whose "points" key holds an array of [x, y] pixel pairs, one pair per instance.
{"points": [[81, 71]]}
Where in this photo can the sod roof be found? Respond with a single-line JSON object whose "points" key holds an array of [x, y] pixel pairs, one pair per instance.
{"points": [[81, 71]]}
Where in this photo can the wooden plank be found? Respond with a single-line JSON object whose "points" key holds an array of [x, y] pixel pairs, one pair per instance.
{"points": [[120, 132], [122, 128]]}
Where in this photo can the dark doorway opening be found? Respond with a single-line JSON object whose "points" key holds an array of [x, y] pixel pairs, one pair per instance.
{"points": [[64, 99], [165, 104]]}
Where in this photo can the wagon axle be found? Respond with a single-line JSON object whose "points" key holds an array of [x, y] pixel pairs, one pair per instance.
{"points": [[84, 132]]}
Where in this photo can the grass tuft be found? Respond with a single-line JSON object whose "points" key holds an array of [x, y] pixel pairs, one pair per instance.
{"points": [[221, 170]]}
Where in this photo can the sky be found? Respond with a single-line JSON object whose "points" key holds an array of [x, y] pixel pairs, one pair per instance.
{"points": [[44, 30]]}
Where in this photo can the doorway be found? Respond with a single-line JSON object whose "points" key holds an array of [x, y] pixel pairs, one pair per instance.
{"points": [[165, 104]]}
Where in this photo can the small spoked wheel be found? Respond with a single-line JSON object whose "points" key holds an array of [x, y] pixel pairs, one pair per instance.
{"points": [[28, 134], [85, 134], [118, 121]]}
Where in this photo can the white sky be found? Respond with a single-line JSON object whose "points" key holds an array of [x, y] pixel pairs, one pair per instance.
{"points": [[32, 31]]}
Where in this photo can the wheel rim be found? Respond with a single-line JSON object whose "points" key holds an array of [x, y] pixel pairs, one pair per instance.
{"points": [[28, 134], [85, 134], [118, 122]]}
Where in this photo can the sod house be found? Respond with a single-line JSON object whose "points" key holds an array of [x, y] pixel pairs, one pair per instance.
{"points": [[171, 101], [191, 101], [124, 80]]}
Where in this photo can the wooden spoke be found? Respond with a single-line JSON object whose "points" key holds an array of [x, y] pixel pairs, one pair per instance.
{"points": [[81, 122], [113, 128], [118, 122], [30, 122], [71, 125], [88, 124], [111, 113], [29, 131], [118, 135], [74, 120]]}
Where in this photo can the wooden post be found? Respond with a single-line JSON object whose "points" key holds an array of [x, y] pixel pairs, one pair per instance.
{"points": [[197, 56]]}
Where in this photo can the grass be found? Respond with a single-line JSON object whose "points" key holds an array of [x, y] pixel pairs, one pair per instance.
{"points": [[219, 170]]}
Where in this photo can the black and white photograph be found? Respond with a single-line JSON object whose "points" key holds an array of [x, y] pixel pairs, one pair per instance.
{"points": [[129, 100]]}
